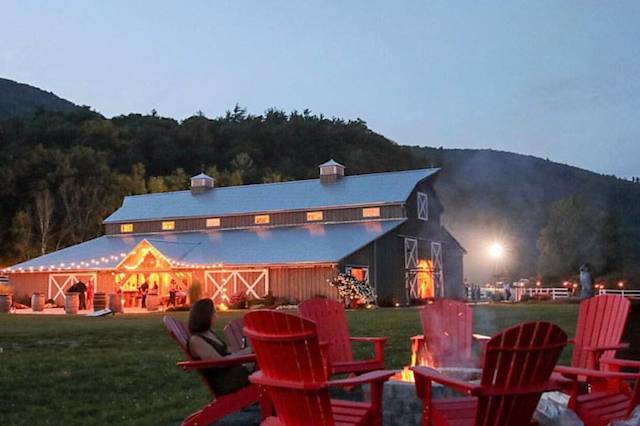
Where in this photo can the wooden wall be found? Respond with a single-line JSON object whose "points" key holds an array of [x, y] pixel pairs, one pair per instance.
{"points": [[247, 221], [302, 283]]}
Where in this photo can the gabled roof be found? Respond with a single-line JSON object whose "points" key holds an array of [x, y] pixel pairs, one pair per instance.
{"points": [[201, 176], [331, 162], [375, 188], [315, 243]]}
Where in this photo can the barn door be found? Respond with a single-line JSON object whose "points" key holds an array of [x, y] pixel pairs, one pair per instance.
{"points": [[58, 283], [410, 267], [436, 261], [224, 283]]}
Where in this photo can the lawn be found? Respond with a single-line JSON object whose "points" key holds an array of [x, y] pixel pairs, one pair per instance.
{"points": [[77, 370]]}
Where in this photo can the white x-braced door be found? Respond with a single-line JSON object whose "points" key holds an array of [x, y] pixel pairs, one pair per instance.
{"points": [[227, 282], [436, 262], [58, 283], [410, 267]]}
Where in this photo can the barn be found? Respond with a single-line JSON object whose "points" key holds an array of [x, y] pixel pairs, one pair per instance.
{"points": [[285, 238]]}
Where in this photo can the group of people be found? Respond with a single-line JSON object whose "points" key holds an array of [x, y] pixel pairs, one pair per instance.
{"points": [[85, 293]]}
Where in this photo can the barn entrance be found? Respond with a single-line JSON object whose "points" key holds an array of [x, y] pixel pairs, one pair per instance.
{"points": [[423, 276]]}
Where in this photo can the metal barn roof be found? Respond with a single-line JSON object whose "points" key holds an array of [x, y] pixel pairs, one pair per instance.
{"points": [[315, 243], [375, 188]]}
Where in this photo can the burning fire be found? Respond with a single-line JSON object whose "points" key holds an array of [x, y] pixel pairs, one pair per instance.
{"points": [[222, 307], [419, 356]]}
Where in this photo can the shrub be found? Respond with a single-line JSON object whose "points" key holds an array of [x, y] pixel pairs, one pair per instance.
{"points": [[194, 292], [238, 301], [352, 290]]}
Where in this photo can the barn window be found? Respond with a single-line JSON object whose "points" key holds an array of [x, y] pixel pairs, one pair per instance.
{"points": [[314, 216], [213, 222], [360, 273], [126, 227], [262, 219], [169, 225], [423, 206], [371, 212]]}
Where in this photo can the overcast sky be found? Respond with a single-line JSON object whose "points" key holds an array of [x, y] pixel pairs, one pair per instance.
{"points": [[553, 79]]}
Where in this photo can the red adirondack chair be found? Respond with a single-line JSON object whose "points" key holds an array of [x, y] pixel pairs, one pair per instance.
{"points": [[234, 334], [293, 371], [331, 323], [447, 327], [611, 397], [223, 405], [517, 365]]}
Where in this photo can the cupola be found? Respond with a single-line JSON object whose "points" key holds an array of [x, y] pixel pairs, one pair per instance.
{"points": [[331, 171], [201, 183]]}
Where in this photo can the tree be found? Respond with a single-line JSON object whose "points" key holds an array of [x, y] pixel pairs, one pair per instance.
{"points": [[576, 233], [44, 213], [21, 234]]}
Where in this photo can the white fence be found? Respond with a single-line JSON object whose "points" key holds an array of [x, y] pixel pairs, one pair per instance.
{"points": [[554, 292], [631, 294]]}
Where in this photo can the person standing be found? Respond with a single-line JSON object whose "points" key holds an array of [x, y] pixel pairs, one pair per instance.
{"points": [[90, 291], [82, 289], [172, 293], [144, 290]]}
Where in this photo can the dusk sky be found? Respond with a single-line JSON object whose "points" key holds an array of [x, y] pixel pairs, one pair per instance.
{"points": [[558, 80]]}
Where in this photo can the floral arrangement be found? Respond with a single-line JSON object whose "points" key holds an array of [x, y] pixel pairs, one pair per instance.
{"points": [[352, 290]]}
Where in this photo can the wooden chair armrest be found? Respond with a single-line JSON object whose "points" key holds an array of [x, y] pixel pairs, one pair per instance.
{"points": [[573, 373], [417, 337], [369, 339], [221, 362], [619, 362], [373, 376], [378, 343], [258, 378], [606, 347], [480, 337], [430, 374]]}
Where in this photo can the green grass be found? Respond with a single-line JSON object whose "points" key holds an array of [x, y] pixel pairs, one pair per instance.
{"points": [[77, 370]]}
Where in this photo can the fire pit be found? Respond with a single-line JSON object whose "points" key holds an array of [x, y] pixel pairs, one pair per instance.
{"points": [[402, 407]]}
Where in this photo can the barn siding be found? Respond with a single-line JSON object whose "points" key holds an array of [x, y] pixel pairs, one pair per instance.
{"points": [[247, 221], [302, 283]]}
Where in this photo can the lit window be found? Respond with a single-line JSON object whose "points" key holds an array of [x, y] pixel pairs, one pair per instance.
{"points": [[360, 273], [213, 222], [262, 219], [168, 226], [314, 216], [371, 212], [126, 227]]}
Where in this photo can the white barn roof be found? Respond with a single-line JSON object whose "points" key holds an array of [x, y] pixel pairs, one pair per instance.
{"points": [[374, 188], [315, 243]]}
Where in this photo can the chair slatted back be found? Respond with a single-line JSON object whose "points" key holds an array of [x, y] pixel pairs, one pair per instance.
{"points": [[601, 322], [518, 363], [447, 326], [331, 323], [288, 351], [234, 334]]}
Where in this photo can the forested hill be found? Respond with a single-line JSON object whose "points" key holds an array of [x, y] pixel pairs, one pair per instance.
{"points": [[491, 195], [21, 100], [63, 172]]}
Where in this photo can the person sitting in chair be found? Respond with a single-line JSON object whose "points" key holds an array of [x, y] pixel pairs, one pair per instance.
{"points": [[204, 343]]}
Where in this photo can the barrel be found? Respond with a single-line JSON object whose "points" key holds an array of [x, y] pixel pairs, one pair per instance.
{"points": [[37, 302], [115, 303], [153, 301], [99, 301], [71, 303], [5, 303]]}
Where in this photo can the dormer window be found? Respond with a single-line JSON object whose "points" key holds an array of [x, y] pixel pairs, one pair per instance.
{"points": [[126, 228], [314, 216], [423, 206], [213, 222], [371, 212], [168, 226], [262, 219]]}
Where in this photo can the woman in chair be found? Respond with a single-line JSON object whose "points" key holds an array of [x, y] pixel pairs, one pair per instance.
{"points": [[204, 343]]}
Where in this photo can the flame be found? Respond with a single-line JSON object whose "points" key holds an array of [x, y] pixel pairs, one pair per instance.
{"points": [[222, 307], [406, 375]]}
